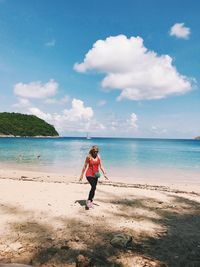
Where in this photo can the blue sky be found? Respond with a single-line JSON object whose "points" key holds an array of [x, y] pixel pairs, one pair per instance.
{"points": [[110, 68]]}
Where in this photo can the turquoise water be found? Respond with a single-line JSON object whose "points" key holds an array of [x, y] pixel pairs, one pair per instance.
{"points": [[63, 154]]}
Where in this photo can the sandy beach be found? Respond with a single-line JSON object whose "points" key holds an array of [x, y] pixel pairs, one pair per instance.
{"points": [[45, 223]]}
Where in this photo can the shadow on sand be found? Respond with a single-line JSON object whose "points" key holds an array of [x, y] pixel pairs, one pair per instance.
{"points": [[177, 245], [81, 202]]}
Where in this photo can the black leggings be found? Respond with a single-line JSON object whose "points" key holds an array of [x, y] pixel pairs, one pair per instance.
{"points": [[93, 182]]}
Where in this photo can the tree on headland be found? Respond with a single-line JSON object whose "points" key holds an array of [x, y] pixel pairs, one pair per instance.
{"points": [[17, 124]]}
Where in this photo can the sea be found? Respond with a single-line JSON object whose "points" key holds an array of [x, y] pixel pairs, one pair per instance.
{"points": [[124, 159]]}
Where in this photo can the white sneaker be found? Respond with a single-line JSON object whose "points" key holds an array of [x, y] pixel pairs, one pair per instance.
{"points": [[89, 204]]}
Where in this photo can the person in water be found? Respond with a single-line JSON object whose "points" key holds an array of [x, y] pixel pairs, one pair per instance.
{"points": [[92, 163]]}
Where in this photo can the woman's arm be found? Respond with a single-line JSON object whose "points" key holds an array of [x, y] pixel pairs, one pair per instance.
{"points": [[84, 168], [102, 169]]}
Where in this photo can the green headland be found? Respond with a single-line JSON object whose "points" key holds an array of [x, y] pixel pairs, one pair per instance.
{"points": [[23, 125]]}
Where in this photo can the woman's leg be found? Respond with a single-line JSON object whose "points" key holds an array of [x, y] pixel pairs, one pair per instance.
{"points": [[93, 183]]}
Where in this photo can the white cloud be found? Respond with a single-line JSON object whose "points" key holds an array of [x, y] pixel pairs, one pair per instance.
{"points": [[42, 115], [121, 125], [78, 111], [36, 89], [81, 119], [114, 125], [180, 31], [158, 130], [51, 43], [154, 128], [130, 67], [22, 103], [77, 119], [63, 100], [94, 126], [132, 121]]}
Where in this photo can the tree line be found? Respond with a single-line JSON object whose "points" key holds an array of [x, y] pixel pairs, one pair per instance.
{"points": [[18, 124]]}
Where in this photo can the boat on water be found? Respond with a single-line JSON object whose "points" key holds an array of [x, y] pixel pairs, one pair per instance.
{"points": [[88, 137]]}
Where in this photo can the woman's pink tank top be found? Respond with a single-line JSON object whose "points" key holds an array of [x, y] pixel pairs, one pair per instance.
{"points": [[93, 167]]}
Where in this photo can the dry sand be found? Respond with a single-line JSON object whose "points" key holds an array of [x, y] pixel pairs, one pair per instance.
{"points": [[45, 223]]}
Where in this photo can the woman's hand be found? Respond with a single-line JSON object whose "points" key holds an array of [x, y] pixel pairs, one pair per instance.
{"points": [[81, 178], [105, 176]]}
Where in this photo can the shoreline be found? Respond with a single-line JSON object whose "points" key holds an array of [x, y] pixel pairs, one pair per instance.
{"points": [[44, 177], [138, 180], [105, 137]]}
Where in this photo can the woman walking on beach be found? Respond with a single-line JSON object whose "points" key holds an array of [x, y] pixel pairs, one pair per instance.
{"points": [[92, 163]]}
